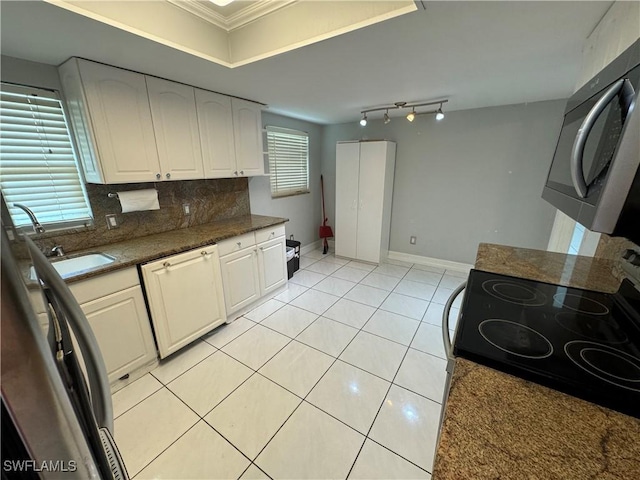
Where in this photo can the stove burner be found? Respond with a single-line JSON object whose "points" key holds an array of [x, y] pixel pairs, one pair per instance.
{"points": [[595, 328], [515, 338], [513, 292], [581, 304], [606, 363]]}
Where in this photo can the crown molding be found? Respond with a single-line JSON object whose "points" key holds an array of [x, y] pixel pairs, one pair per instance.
{"points": [[247, 15]]}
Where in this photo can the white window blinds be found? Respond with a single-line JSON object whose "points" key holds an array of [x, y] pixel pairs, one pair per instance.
{"points": [[288, 161], [38, 167]]}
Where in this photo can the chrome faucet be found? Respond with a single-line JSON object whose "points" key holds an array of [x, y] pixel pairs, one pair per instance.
{"points": [[37, 227], [58, 251]]}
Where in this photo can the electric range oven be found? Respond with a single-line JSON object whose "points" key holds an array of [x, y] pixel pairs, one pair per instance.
{"points": [[581, 342]]}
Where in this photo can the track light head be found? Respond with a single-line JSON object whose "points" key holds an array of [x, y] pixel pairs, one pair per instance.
{"points": [[387, 119], [363, 120], [412, 116], [439, 114]]}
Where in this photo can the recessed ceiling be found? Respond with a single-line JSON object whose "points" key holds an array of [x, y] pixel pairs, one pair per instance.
{"points": [[475, 53]]}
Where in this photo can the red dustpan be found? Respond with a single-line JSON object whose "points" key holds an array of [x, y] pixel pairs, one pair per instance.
{"points": [[325, 230]]}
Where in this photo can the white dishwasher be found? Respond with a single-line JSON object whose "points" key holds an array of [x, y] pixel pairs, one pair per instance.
{"points": [[185, 297]]}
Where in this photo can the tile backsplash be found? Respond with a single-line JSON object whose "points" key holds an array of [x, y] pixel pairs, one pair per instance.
{"points": [[209, 200]]}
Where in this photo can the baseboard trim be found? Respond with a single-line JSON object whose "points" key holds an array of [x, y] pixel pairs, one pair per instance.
{"points": [[311, 247], [431, 262]]}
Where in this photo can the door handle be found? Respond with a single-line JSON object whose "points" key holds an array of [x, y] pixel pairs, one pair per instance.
{"points": [[446, 338], [577, 152]]}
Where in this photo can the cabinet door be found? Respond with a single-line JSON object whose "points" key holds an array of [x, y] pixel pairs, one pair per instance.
{"points": [[119, 107], [347, 167], [185, 297], [240, 279], [173, 110], [373, 157], [272, 264], [121, 326], [215, 122], [247, 131]]}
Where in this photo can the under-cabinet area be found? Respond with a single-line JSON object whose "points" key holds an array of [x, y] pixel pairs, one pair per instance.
{"points": [[131, 127], [155, 303]]}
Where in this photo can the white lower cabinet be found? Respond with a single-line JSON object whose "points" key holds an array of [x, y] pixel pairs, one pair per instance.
{"points": [[253, 265], [114, 306], [240, 278], [185, 297], [272, 265], [120, 323]]}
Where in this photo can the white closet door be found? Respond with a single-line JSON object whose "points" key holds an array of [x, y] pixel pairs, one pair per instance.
{"points": [[373, 156], [347, 167]]}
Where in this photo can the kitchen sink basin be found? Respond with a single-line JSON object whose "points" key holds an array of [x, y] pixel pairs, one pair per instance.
{"points": [[69, 266]]}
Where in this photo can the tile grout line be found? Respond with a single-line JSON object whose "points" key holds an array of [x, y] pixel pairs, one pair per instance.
{"points": [[314, 386], [380, 408], [335, 359], [320, 379]]}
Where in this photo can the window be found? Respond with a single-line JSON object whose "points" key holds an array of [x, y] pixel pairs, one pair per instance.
{"points": [[288, 161], [38, 167]]}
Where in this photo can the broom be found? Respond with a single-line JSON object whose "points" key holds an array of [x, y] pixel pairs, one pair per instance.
{"points": [[325, 230]]}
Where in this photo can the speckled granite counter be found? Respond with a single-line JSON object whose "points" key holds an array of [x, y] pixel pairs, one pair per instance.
{"points": [[152, 247], [500, 426]]}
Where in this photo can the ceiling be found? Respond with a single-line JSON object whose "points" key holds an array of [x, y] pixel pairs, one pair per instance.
{"points": [[475, 53]]}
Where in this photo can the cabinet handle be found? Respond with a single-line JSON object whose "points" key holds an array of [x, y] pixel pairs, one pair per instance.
{"points": [[166, 264], [239, 244], [262, 249], [168, 175], [158, 176], [241, 172], [203, 252], [235, 173]]}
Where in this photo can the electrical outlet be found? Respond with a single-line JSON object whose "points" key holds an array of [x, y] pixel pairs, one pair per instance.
{"points": [[412, 240], [186, 209], [112, 221]]}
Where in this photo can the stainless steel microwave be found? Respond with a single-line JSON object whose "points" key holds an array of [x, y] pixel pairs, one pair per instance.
{"points": [[594, 176]]}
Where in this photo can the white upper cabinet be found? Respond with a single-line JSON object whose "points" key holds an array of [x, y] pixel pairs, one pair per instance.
{"points": [[135, 128], [117, 119], [175, 122], [215, 122], [247, 129]]}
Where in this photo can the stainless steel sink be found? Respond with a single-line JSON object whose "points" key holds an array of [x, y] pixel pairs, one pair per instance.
{"points": [[69, 266]]}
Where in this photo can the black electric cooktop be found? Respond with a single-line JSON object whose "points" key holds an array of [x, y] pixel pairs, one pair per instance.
{"points": [[581, 342]]}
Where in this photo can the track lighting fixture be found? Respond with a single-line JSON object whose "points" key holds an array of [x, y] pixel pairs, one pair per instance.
{"points": [[439, 114]]}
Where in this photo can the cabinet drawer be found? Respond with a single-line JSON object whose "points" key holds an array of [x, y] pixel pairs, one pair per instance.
{"points": [[236, 244], [269, 233], [93, 288]]}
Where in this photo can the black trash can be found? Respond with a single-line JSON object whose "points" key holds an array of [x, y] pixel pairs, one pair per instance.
{"points": [[293, 259]]}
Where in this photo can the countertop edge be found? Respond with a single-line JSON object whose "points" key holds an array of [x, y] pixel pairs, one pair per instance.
{"points": [[140, 250]]}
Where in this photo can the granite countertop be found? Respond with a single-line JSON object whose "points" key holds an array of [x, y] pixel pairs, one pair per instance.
{"points": [[500, 426], [145, 249]]}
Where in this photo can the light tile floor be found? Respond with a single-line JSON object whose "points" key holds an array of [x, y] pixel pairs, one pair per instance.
{"points": [[340, 376]]}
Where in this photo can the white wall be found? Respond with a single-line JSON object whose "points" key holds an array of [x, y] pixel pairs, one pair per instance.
{"points": [[476, 176], [303, 211]]}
